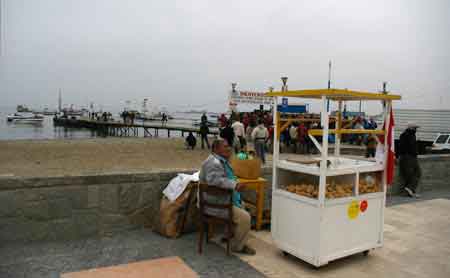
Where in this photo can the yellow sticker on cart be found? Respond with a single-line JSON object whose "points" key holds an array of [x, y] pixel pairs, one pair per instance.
{"points": [[353, 210]]}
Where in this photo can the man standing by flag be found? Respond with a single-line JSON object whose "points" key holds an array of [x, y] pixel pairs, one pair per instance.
{"points": [[409, 165]]}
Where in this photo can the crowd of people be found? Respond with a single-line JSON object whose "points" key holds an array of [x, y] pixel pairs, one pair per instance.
{"points": [[239, 129]]}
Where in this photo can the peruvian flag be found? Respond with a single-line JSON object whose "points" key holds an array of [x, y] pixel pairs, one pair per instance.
{"points": [[390, 160]]}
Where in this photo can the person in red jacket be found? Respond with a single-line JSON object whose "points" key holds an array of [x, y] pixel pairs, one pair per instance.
{"points": [[302, 132], [223, 120]]}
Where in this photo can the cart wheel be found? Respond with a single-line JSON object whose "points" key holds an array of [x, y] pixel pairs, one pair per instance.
{"points": [[366, 253]]}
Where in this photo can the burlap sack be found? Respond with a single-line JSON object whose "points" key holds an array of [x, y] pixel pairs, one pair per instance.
{"points": [[172, 214]]}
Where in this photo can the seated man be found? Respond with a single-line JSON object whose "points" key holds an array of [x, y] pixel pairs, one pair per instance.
{"points": [[217, 171]]}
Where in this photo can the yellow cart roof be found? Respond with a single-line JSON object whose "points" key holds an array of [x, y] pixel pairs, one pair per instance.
{"points": [[335, 94]]}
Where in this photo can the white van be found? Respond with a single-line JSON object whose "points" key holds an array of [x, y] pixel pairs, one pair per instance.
{"points": [[442, 142]]}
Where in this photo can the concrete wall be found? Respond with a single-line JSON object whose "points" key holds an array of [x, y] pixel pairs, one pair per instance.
{"points": [[71, 207]]}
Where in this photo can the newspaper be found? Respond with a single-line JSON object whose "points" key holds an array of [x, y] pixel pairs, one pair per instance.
{"points": [[178, 184]]}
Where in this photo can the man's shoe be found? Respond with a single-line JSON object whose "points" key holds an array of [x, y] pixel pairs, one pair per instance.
{"points": [[248, 250], [410, 192]]}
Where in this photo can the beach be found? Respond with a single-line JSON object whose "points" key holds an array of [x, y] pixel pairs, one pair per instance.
{"points": [[45, 158]]}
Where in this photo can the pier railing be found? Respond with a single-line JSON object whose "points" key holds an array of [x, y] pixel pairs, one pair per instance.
{"points": [[121, 129]]}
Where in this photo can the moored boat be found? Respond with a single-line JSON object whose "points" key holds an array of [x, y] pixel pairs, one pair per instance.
{"points": [[25, 118]]}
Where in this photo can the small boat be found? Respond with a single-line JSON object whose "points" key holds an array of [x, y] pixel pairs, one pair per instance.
{"points": [[47, 112], [209, 123], [25, 118], [22, 108]]}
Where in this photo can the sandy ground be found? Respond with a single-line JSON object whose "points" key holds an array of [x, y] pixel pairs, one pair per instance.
{"points": [[91, 156]]}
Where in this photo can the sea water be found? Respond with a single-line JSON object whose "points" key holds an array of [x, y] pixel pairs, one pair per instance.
{"points": [[46, 129]]}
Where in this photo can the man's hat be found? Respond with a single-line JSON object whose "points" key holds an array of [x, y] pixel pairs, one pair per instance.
{"points": [[412, 125]]}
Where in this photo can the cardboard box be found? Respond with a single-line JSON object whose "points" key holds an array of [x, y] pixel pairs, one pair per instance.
{"points": [[246, 169]]}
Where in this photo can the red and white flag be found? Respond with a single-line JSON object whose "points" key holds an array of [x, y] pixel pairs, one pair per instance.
{"points": [[390, 159]]}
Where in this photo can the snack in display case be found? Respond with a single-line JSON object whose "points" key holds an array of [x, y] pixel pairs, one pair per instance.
{"points": [[307, 190], [370, 182], [311, 191], [339, 191]]}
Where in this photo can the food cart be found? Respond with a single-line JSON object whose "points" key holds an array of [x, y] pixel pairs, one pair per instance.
{"points": [[330, 206]]}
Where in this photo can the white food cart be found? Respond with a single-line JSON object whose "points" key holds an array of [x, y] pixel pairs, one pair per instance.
{"points": [[333, 206]]}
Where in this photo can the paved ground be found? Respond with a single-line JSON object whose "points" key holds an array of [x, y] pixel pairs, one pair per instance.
{"points": [[416, 232], [49, 259], [416, 245], [392, 200]]}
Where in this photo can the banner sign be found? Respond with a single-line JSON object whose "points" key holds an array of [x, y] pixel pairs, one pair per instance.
{"points": [[250, 97], [284, 102]]}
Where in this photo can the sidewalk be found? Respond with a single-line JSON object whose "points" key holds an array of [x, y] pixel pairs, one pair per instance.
{"points": [[50, 259], [416, 245]]}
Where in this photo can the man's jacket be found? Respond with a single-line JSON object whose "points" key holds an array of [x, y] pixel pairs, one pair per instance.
{"points": [[408, 144], [213, 172]]}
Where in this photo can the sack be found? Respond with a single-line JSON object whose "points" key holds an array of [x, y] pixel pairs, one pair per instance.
{"points": [[173, 214], [246, 169]]}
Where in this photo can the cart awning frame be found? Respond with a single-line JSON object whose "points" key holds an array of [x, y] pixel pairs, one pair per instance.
{"points": [[335, 94]]}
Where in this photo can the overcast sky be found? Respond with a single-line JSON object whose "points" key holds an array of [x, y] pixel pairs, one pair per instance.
{"points": [[182, 53]]}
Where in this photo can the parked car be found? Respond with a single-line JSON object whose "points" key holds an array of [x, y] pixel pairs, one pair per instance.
{"points": [[442, 142]]}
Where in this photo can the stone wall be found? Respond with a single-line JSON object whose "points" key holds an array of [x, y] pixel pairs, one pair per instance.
{"points": [[71, 207], [435, 174]]}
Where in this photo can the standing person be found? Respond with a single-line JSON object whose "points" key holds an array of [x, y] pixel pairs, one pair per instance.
{"points": [[286, 138], [302, 133], [239, 132], [227, 133], [252, 119], [163, 118], [204, 118], [223, 121], [371, 146], [132, 115], [245, 121], [293, 136], [216, 171], [259, 135], [409, 165], [204, 130]]}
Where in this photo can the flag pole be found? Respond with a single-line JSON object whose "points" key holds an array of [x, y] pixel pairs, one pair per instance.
{"points": [[329, 84]]}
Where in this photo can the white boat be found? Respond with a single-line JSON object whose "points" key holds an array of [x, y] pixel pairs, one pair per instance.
{"points": [[150, 113], [25, 118]]}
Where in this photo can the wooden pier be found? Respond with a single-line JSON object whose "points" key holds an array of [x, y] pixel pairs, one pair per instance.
{"points": [[120, 129]]}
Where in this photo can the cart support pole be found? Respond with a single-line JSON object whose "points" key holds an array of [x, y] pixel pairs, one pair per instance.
{"points": [[337, 145], [324, 158], [387, 119], [276, 142]]}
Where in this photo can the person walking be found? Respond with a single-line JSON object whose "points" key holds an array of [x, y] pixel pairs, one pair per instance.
{"points": [[293, 136], [409, 165], [164, 119], [204, 119], [204, 130], [227, 133], [302, 133], [239, 132], [259, 135]]}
